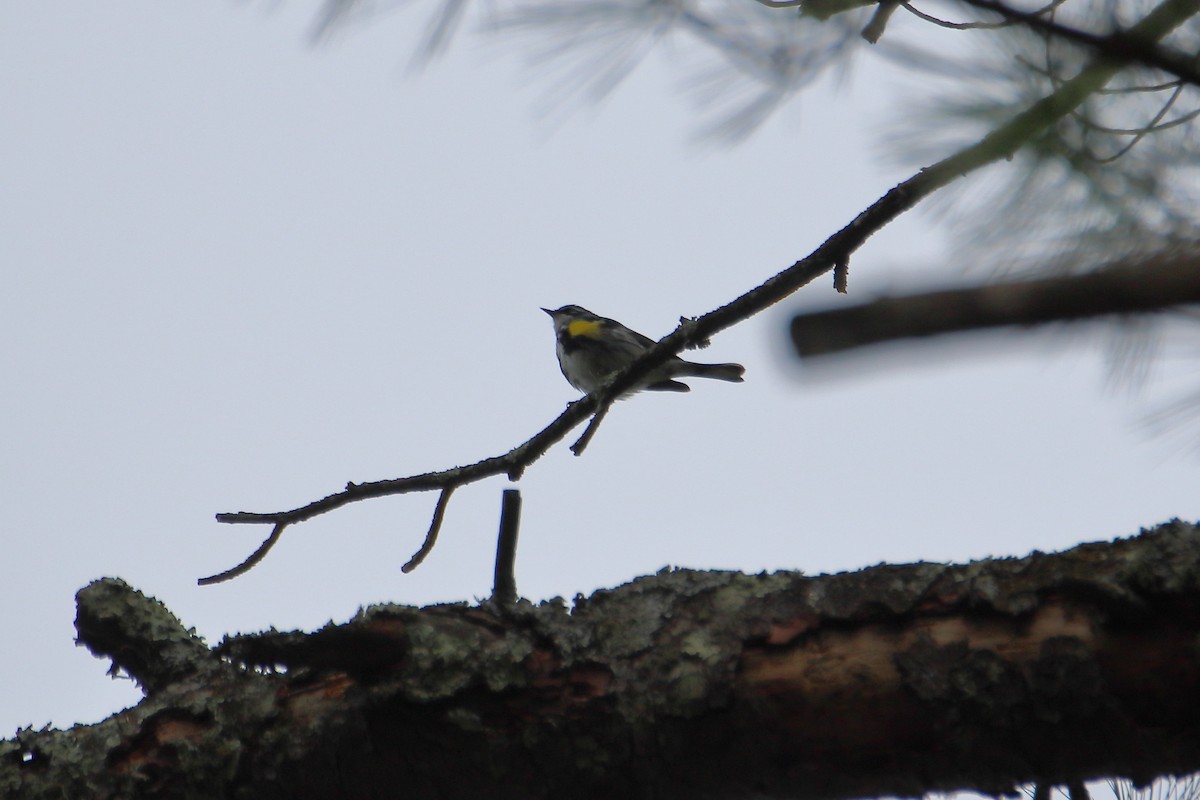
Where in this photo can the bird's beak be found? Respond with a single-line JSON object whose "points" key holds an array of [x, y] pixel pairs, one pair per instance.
{"points": [[548, 311]]}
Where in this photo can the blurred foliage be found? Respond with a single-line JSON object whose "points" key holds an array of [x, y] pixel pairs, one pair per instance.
{"points": [[1115, 178], [744, 60]]}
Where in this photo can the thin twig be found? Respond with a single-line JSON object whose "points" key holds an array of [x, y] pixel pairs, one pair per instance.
{"points": [[1138, 134], [998, 144], [439, 512], [1149, 87], [1149, 127], [504, 585], [255, 557], [955, 26], [582, 442], [966, 26], [841, 276]]}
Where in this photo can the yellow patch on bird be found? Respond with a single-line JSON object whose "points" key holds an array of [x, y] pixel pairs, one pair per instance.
{"points": [[582, 327]]}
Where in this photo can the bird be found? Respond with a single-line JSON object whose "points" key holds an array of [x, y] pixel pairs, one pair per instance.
{"points": [[592, 348]]}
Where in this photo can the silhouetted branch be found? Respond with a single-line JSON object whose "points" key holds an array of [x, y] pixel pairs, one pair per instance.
{"points": [[255, 557], [976, 25], [585, 439], [1076, 790], [1000, 143], [512, 463], [504, 584], [435, 525], [1149, 286], [841, 277], [1155, 124]]}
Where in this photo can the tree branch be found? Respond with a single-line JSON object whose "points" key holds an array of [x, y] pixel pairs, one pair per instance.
{"points": [[898, 680], [435, 525], [1077, 791], [252, 561], [1125, 47], [586, 437], [1000, 143], [1152, 285], [504, 583]]}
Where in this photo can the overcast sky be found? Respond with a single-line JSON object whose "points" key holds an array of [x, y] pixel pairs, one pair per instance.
{"points": [[241, 270]]}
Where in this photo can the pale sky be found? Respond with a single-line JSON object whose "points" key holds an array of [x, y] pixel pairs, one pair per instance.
{"points": [[242, 270]]}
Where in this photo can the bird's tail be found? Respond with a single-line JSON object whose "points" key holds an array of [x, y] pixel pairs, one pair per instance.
{"points": [[722, 372]]}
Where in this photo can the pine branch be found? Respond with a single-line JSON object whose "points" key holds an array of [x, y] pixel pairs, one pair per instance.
{"points": [[1152, 285], [1001, 143], [897, 680], [1124, 47]]}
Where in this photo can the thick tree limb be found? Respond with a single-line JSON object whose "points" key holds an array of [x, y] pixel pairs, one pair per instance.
{"points": [[1002, 142], [1152, 285], [896, 680]]}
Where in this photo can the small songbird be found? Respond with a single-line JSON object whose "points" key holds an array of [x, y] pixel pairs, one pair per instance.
{"points": [[591, 348]]}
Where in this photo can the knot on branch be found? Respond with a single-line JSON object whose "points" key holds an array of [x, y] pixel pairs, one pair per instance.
{"points": [[139, 634], [692, 339]]}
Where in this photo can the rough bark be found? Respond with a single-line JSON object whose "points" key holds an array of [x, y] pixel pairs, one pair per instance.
{"points": [[894, 680]]}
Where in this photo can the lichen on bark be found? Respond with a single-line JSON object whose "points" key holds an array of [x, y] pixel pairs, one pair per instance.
{"points": [[893, 680]]}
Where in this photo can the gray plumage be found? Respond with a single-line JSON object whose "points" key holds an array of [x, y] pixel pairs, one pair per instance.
{"points": [[591, 348]]}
